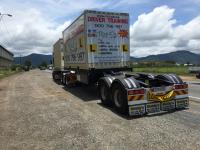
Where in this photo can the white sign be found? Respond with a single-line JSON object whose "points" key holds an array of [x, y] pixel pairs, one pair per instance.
{"points": [[108, 37], [74, 45]]}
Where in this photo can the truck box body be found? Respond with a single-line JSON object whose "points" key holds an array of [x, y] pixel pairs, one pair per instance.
{"points": [[58, 61], [98, 40]]}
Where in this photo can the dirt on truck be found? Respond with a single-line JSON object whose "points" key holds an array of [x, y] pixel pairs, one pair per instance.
{"points": [[97, 51]]}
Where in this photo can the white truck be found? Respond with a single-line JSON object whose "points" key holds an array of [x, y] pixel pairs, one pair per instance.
{"points": [[97, 51], [58, 59]]}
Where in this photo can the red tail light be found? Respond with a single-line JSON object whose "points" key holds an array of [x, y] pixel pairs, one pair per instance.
{"points": [[181, 86], [135, 92]]}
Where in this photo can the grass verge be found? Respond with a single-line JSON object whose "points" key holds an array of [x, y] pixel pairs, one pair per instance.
{"points": [[6, 73], [177, 70]]}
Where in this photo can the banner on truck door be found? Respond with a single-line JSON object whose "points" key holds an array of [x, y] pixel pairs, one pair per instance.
{"points": [[107, 37]]}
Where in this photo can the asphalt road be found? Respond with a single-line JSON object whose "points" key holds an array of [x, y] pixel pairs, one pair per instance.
{"points": [[36, 113], [194, 90]]}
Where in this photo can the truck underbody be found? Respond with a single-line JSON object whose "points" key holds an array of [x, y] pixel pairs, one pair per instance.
{"points": [[133, 94]]}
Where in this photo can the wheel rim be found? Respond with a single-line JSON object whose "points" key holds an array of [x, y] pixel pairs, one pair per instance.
{"points": [[103, 92], [118, 98], [56, 76]]}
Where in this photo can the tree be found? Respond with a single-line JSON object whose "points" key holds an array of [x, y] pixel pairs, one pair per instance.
{"points": [[28, 63], [43, 64]]}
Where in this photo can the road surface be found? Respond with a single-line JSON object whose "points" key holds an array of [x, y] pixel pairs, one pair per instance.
{"points": [[194, 90], [36, 113]]}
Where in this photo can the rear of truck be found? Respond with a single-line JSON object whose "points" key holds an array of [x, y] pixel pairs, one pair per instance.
{"points": [[166, 93], [142, 94], [97, 43], [97, 51], [107, 39], [108, 46]]}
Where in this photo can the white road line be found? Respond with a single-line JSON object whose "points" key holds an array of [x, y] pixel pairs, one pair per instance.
{"points": [[194, 97]]}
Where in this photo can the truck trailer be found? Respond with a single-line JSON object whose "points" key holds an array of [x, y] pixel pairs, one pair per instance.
{"points": [[58, 60], [97, 51]]}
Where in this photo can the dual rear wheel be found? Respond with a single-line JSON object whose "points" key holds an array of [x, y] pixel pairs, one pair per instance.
{"points": [[116, 95]]}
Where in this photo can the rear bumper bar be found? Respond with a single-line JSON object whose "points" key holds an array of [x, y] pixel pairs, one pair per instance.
{"points": [[155, 107]]}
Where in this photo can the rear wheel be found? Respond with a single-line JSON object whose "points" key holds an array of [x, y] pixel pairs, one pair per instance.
{"points": [[62, 79], [119, 99], [104, 93], [56, 77]]}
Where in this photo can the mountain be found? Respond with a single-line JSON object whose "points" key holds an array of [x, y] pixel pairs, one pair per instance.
{"points": [[36, 59], [181, 57]]}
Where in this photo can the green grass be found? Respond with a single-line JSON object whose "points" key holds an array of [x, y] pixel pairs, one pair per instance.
{"points": [[6, 73], [180, 70]]}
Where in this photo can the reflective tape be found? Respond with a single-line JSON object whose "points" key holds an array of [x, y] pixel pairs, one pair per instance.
{"points": [[109, 78], [177, 81], [127, 82], [181, 92], [135, 97], [133, 83]]}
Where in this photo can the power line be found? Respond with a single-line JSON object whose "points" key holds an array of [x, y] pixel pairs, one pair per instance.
{"points": [[9, 34]]}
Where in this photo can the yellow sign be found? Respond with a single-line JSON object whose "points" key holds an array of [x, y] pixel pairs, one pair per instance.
{"points": [[92, 47], [124, 47], [81, 42], [166, 97]]}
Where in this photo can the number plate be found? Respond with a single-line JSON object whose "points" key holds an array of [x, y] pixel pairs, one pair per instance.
{"points": [[169, 105], [158, 89], [182, 103], [153, 107], [136, 110]]}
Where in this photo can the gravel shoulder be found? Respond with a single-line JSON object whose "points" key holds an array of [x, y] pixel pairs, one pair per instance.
{"points": [[190, 78], [36, 113]]}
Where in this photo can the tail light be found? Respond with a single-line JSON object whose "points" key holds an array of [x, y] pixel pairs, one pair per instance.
{"points": [[181, 86], [135, 92]]}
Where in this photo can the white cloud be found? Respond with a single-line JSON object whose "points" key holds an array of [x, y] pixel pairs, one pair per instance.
{"points": [[155, 25], [29, 32], [191, 30], [156, 33], [37, 24], [121, 3]]}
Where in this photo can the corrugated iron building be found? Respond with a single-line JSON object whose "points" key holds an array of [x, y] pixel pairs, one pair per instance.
{"points": [[6, 57]]}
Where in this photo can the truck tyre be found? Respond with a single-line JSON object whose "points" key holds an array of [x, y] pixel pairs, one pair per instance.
{"points": [[53, 76], [104, 92], [56, 77], [62, 79], [119, 98]]}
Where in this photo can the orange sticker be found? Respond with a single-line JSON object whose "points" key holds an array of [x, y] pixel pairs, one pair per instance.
{"points": [[123, 33]]}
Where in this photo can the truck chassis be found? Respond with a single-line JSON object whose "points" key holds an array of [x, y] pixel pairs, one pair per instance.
{"points": [[134, 94]]}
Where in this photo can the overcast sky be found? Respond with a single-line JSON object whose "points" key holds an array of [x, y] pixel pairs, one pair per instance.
{"points": [[156, 26]]}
